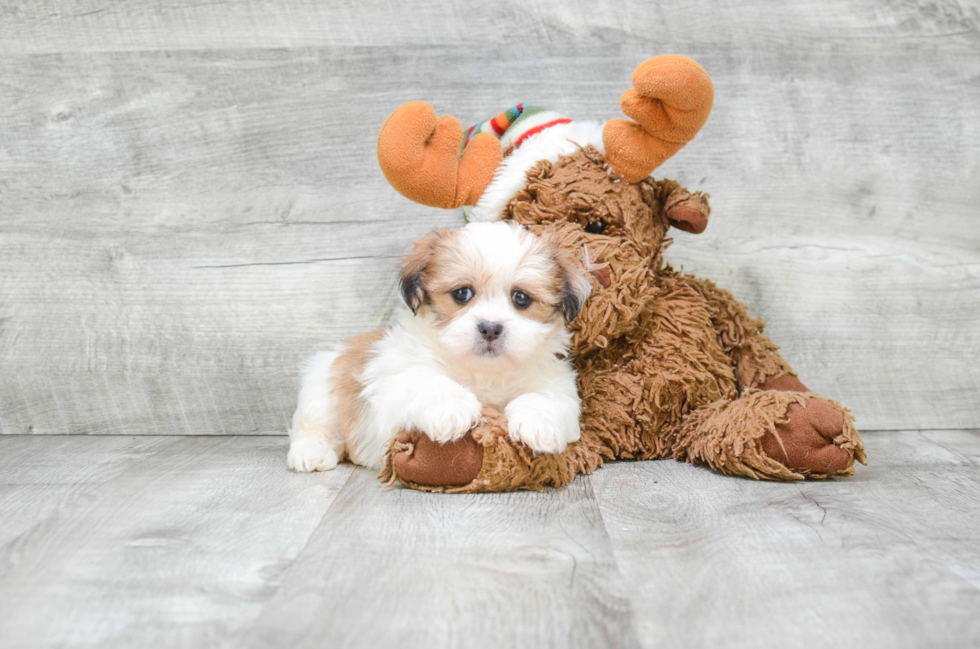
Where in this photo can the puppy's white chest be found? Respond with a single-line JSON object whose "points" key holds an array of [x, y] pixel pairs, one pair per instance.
{"points": [[497, 393]]}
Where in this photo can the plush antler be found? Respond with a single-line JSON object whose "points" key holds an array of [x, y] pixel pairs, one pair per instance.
{"points": [[419, 156], [670, 101]]}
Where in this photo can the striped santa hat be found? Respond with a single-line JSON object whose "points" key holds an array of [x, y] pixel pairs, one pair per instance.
{"points": [[515, 125], [527, 134]]}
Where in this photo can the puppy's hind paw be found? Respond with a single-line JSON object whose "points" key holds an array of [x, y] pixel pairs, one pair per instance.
{"points": [[307, 455]]}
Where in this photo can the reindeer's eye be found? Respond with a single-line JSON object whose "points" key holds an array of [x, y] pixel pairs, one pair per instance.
{"points": [[521, 299], [595, 227], [463, 295]]}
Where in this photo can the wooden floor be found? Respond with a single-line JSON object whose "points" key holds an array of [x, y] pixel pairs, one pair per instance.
{"points": [[114, 541]]}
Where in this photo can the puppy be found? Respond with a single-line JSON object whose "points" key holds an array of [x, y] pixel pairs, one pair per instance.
{"points": [[485, 326]]}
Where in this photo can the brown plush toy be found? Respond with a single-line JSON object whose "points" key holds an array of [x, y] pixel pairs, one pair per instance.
{"points": [[670, 366]]}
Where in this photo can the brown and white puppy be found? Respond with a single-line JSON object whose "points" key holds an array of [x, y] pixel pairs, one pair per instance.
{"points": [[485, 325]]}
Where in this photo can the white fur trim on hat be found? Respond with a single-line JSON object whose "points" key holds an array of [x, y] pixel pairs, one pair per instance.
{"points": [[510, 177]]}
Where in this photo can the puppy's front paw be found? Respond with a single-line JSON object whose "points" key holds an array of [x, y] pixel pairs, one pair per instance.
{"points": [[449, 414], [535, 425], [310, 454]]}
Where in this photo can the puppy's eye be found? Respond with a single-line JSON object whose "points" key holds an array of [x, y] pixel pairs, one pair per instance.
{"points": [[463, 295], [595, 227], [521, 299]]}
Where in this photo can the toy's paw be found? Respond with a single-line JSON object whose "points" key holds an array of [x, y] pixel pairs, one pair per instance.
{"points": [[424, 462], [449, 414], [808, 442], [484, 460], [311, 454]]}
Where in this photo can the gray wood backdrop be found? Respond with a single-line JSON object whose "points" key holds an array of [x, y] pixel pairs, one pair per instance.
{"points": [[190, 202]]}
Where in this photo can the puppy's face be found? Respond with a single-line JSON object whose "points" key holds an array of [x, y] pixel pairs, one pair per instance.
{"points": [[620, 224], [493, 293]]}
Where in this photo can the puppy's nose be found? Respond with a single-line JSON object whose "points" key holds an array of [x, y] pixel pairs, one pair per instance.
{"points": [[490, 330]]}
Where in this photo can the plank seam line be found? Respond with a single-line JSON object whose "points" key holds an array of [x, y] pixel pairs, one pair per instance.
{"points": [[304, 261], [612, 551]]}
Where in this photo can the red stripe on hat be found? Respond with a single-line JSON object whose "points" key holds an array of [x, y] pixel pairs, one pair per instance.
{"points": [[497, 127], [538, 129]]}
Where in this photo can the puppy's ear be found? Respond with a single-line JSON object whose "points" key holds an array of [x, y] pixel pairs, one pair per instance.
{"points": [[575, 282], [415, 265]]}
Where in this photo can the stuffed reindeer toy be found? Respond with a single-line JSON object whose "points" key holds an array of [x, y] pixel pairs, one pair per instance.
{"points": [[669, 365]]}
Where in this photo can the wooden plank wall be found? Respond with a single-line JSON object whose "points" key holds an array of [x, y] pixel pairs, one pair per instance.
{"points": [[190, 202]]}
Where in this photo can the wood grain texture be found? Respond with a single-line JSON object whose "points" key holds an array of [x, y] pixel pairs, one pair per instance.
{"points": [[515, 570], [191, 203], [140, 541], [46, 26], [888, 558], [147, 541]]}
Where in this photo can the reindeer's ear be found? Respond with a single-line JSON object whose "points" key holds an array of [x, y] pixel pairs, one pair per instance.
{"points": [[686, 211], [415, 266], [688, 219]]}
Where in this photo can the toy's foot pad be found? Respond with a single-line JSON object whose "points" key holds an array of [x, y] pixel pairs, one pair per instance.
{"points": [[805, 443], [431, 464]]}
